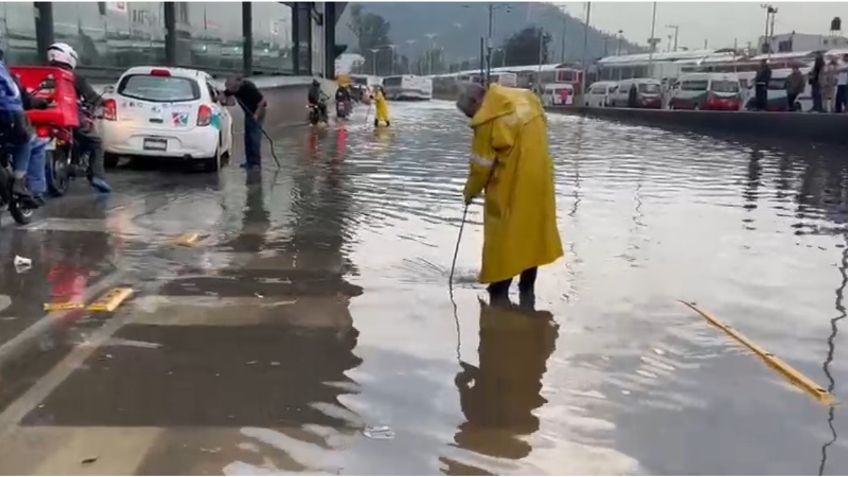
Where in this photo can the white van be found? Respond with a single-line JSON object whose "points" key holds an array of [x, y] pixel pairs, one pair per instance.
{"points": [[648, 93], [558, 94], [599, 94], [714, 91]]}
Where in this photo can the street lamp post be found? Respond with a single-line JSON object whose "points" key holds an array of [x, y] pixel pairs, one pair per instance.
{"points": [[676, 29], [652, 40], [374, 60], [409, 56], [620, 37], [432, 37], [585, 46]]}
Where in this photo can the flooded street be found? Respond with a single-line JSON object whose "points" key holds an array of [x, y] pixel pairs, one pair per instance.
{"points": [[315, 306]]}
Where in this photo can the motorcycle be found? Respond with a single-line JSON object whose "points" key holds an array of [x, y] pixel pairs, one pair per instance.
{"points": [[315, 114], [64, 161], [20, 208], [342, 109]]}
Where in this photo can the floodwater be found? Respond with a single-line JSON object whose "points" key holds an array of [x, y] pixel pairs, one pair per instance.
{"points": [[316, 307]]}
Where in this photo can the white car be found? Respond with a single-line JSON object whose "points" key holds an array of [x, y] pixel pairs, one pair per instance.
{"points": [[166, 112]]}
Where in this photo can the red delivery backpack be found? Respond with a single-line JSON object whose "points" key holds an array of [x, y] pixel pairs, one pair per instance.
{"points": [[52, 84]]}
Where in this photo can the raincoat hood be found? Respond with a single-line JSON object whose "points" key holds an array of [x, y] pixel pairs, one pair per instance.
{"points": [[501, 101]]}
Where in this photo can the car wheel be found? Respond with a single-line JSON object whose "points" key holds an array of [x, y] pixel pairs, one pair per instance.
{"points": [[212, 164], [110, 161]]}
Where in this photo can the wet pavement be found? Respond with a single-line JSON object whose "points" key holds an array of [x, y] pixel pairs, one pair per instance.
{"points": [[315, 306]]}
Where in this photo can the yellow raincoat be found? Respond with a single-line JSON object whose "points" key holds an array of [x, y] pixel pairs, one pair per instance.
{"points": [[511, 162], [381, 106]]}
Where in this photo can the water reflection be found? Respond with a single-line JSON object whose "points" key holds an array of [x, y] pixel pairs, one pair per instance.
{"points": [[498, 397]]}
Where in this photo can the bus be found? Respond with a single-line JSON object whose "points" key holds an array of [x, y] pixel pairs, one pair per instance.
{"points": [[408, 87]]}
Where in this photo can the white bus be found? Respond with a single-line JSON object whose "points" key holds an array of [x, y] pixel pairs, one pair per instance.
{"points": [[408, 87]]}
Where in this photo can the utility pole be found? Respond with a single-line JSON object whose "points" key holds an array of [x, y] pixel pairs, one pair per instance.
{"points": [[770, 12], [652, 40], [676, 29], [489, 47], [620, 37], [585, 46], [564, 31], [374, 60]]}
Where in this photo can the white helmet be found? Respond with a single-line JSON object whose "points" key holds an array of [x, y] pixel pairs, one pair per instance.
{"points": [[62, 53]]}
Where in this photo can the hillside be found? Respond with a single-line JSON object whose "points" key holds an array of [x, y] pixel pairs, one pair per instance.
{"points": [[459, 28]]}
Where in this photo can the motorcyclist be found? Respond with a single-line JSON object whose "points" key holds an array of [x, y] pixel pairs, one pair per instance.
{"points": [[35, 178], [343, 97], [316, 98], [15, 129], [63, 56]]}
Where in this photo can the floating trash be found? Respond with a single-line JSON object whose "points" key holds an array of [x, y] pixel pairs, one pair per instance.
{"points": [[378, 432], [22, 264]]}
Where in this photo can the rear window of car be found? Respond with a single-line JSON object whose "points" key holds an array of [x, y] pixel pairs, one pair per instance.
{"points": [[163, 89], [777, 84], [725, 86], [598, 89], [649, 88], [694, 85]]}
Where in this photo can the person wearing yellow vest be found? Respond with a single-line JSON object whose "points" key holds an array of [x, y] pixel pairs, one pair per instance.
{"points": [[511, 165], [381, 106]]}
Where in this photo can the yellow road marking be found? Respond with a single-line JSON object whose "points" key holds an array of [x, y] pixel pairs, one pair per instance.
{"points": [[110, 300], [793, 375], [67, 305], [187, 239]]}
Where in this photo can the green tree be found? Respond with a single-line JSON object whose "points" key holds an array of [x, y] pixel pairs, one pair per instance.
{"points": [[372, 31], [523, 47]]}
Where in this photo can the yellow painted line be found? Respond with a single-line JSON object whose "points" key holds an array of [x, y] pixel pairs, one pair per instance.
{"points": [[110, 300], [791, 374], [187, 239], [67, 305]]}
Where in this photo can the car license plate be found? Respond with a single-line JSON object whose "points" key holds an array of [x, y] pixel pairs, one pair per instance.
{"points": [[154, 144]]}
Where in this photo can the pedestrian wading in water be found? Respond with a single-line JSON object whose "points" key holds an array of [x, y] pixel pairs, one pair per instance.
{"points": [[511, 166]]}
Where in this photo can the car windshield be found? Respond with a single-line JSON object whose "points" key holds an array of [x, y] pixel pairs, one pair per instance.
{"points": [[725, 86], [649, 88], [164, 89], [694, 85]]}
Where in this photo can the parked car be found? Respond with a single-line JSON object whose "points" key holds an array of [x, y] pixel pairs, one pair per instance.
{"points": [[558, 94], [713, 91], [648, 93], [166, 112], [599, 94]]}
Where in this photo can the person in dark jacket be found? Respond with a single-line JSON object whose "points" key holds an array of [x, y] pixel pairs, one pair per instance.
{"points": [[316, 98], [254, 105], [761, 82], [63, 56], [794, 86], [815, 82], [632, 96]]}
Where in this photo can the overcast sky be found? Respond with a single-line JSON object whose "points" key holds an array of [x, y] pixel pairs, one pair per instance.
{"points": [[717, 22]]}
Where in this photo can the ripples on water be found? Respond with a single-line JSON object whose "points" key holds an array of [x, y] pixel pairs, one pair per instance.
{"points": [[630, 381], [612, 374]]}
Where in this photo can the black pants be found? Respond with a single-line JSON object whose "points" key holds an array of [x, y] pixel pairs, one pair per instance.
{"points": [[500, 290], [817, 98], [762, 96], [841, 98], [790, 101], [90, 142]]}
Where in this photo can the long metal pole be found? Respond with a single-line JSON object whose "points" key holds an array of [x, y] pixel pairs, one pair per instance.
{"points": [[489, 46], [585, 45], [564, 31], [653, 43]]}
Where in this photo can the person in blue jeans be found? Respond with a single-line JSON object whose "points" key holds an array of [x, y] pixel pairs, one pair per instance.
{"points": [[254, 105], [15, 130]]}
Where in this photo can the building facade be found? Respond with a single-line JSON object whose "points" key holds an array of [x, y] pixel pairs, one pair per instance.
{"points": [[794, 42], [261, 38]]}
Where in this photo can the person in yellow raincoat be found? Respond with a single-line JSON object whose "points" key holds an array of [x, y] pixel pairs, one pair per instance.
{"points": [[381, 107], [511, 163]]}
